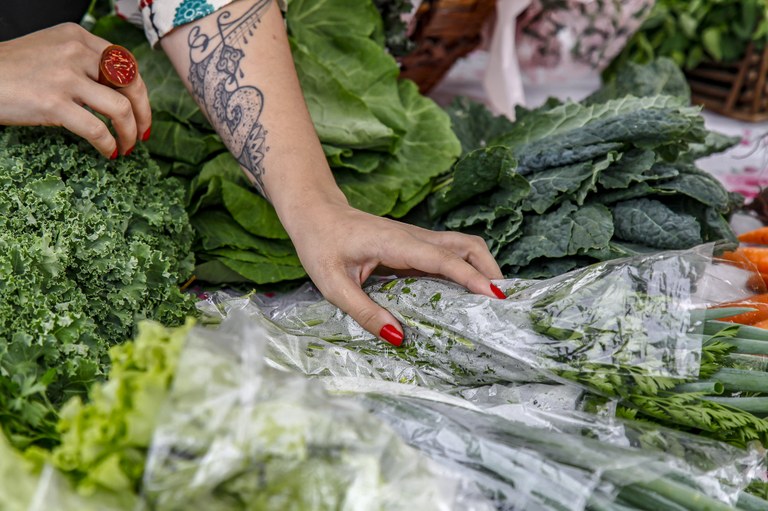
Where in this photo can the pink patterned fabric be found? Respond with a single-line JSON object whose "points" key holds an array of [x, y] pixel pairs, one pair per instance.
{"points": [[159, 17], [581, 35]]}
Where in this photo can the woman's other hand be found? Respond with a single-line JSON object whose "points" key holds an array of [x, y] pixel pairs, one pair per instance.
{"points": [[47, 78]]}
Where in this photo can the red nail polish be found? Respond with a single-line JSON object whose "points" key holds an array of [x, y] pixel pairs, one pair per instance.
{"points": [[498, 292], [392, 335], [146, 134], [129, 151], [114, 154]]}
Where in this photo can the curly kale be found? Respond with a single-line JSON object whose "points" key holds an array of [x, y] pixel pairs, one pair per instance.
{"points": [[87, 248]]}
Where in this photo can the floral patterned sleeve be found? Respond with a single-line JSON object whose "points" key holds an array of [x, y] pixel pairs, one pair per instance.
{"points": [[158, 17]]}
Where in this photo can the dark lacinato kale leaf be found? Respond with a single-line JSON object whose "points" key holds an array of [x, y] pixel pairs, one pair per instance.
{"points": [[631, 167], [566, 231], [87, 247], [474, 124], [650, 222], [593, 181], [551, 186], [661, 76], [478, 172], [648, 128]]}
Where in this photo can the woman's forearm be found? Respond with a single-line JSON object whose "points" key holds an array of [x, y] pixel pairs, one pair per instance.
{"points": [[237, 64]]}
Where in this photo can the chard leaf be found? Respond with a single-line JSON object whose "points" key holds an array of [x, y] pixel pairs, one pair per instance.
{"points": [[216, 229], [376, 196], [361, 67], [166, 91], [651, 223], [402, 207], [340, 116], [361, 161], [252, 211], [176, 141], [264, 271], [250, 256], [428, 148], [309, 17]]}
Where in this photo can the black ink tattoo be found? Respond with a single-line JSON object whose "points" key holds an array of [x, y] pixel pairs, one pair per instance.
{"points": [[232, 108]]}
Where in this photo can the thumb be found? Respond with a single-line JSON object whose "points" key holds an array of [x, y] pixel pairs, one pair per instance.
{"points": [[350, 298]]}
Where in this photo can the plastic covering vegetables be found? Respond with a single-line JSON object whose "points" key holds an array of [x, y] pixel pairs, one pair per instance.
{"points": [[440, 426]]}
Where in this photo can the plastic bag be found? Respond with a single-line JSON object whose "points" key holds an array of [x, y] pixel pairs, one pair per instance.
{"points": [[620, 316], [225, 405], [236, 434]]}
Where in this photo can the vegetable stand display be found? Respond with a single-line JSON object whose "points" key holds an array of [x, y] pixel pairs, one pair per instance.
{"points": [[617, 374]]}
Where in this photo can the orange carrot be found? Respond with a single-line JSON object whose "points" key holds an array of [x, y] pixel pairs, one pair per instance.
{"points": [[757, 236], [757, 302], [761, 324], [758, 282], [758, 256]]}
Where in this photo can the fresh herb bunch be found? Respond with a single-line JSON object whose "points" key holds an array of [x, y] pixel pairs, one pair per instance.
{"points": [[87, 247], [689, 32]]}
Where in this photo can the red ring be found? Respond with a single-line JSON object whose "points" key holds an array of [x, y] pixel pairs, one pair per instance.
{"points": [[118, 67]]}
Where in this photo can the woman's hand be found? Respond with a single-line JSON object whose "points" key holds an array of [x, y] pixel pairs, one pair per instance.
{"points": [[48, 77], [340, 247]]}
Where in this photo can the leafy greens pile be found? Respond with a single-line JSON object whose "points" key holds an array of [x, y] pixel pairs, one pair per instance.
{"points": [[690, 32], [384, 141], [573, 183], [87, 247]]}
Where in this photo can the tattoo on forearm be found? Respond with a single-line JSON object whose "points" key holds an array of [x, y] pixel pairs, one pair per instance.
{"points": [[215, 75]]}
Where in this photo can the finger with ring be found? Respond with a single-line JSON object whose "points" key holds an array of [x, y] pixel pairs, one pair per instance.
{"points": [[118, 67]]}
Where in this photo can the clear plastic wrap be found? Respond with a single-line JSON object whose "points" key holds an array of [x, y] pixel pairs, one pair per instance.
{"points": [[625, 315], [525, 446], [238, 435]]}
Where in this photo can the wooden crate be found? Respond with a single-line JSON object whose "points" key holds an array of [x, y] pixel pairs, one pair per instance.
{"points": [[445, 31], [738, 90]]}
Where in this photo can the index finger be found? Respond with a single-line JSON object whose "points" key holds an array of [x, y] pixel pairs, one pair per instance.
{"points": [[438, 260]]}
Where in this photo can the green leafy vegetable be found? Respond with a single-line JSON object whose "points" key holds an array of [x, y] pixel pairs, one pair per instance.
{"points": [[690, 32], [87, 247], [536, 189]]}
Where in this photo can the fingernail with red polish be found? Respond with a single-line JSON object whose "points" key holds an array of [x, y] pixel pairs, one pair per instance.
{"points": [[392, 335], [129, 151], [146, 134], [498, 292], [114, 154]]}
